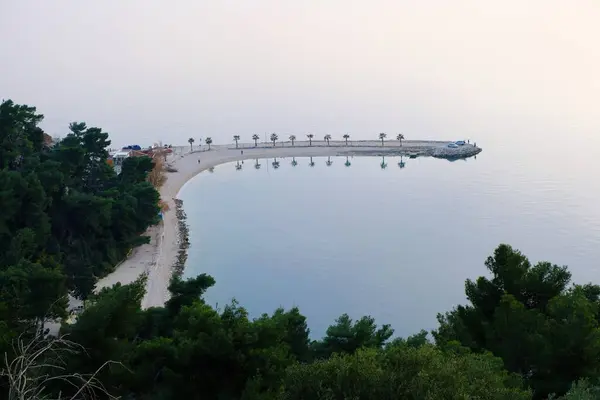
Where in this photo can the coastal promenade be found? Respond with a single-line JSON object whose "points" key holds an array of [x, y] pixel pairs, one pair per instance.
{"points": [[158, 257]]}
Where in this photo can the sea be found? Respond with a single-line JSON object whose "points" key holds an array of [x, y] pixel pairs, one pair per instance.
{"points": [[389, 237]]}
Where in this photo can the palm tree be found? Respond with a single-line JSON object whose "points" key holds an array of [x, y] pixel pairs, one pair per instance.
{"points": [[294, 162], [383, 164], [208, 141], [347, 163], [274, 138], [311, 163], [255, 137], [399, 138], [346, 136], [257, 165], [236, 138], [327, 138], [328, 162], [401, 164], [191, 141], [310, 137], [292, 139], [275, 163], [238, 166], [381, 137]]}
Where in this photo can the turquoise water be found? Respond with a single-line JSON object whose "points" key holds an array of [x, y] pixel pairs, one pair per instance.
{"points": [[394, 243]]}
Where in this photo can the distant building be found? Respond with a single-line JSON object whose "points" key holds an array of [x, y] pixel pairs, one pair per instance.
{"points": [[116, 159]]}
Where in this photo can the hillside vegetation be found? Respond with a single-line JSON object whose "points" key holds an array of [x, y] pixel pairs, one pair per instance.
{"points": [[67, 219]]}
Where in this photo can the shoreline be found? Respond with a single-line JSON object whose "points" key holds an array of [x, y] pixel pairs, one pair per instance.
{"points": [[167, 251]]}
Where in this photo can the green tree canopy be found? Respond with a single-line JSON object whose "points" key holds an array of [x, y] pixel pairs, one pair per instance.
{"points": [[528, 315]]}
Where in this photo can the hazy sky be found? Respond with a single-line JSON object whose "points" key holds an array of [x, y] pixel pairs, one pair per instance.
{"points": [[149, 70]]}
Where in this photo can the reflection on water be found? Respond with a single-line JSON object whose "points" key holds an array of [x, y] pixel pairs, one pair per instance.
{"points": [[402, 164], [275, 163], [383, 163], [394, 243]]}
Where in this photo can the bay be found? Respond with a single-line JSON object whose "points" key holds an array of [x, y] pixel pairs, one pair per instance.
{"points": [[394, 243]]}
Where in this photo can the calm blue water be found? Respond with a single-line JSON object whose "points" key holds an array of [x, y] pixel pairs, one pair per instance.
{"points": [[396, 244]]}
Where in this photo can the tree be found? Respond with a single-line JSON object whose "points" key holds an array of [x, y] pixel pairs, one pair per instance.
{"points": [[382, 136], [311, 163], [327, 138], [255, 137], [186, 292], [310, 137], [292, 139], [191, 142], [67, 217], [347, 336], [328, 162], [402, 372], [257, 165], [275, 163], [347, 163], [294, 162], [236, 138], [581, 390], [208, 141], [526, 315], [400, 138], [346, 137], [274, 138]]}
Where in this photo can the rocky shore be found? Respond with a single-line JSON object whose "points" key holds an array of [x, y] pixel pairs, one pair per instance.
{"points": [[182, 239]]}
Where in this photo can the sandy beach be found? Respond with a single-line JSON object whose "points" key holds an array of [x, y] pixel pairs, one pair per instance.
{"points": [[158, 257]]}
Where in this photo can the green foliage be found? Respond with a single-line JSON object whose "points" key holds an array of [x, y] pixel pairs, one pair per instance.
{"points": [[190, 350], [582, 390], [543, 330], [66, 219], [401, 372], [347, 337]]}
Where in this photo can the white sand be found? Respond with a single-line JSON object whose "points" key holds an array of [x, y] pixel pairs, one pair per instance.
{"points": [[158, 257]]}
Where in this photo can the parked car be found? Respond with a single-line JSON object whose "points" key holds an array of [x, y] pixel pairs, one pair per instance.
{"points": [[460, 142], [452, 145]]}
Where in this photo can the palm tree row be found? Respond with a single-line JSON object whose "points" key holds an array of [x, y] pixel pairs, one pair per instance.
{"points": [[327, 138], [292, 138]]}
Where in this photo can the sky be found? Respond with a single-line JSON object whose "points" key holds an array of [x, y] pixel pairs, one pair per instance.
{"points": [[149, 70]]}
